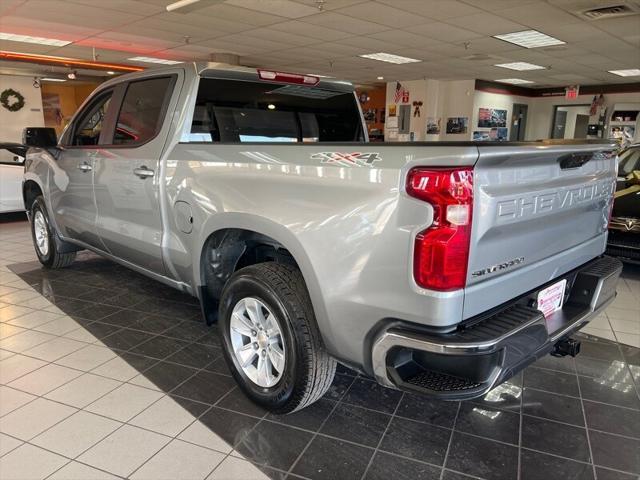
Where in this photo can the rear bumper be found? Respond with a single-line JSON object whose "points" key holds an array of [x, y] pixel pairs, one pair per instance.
{"points": [[490, 348]]}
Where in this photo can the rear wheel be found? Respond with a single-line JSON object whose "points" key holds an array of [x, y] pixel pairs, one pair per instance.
{"points": [[43, 241], [271, 342]]}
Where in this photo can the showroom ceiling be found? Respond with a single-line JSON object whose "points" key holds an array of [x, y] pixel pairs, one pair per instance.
{"points": [[451, 39]]}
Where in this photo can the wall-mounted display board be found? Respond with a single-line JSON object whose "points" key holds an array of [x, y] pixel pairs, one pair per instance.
{"points": [[491, 117]]}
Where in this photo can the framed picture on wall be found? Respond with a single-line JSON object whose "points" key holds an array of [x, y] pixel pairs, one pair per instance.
{"points": [[457, 125], [492, 118], [433, 126]]}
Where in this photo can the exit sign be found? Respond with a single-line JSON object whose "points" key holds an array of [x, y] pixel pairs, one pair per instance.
{"points": [[571, 92]]}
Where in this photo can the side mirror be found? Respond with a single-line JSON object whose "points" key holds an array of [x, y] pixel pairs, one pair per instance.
{"points": [[42, 137]]}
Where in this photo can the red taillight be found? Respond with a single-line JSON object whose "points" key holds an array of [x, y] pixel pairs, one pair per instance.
{"points": [[285, 77], [441, 252]]}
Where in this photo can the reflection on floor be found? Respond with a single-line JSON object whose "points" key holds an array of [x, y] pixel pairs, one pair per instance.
{"points": [[106, 374]]}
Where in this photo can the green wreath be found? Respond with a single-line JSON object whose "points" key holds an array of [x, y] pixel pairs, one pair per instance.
{"points": [[16, 105]]}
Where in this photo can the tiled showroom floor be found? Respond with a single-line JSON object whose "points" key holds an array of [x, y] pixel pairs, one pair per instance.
{"points": [[106, 374]]}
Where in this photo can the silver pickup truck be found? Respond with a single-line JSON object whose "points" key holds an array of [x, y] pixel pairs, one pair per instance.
{"points": [[441, 268]]}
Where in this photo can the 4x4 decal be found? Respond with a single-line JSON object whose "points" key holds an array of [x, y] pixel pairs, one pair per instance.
{"points": [[358, 159]]}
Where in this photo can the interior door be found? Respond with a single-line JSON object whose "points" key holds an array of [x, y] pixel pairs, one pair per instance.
{"points": [[71, 182], [559, 124], [582, 123], [127, 178], [518, 122]]}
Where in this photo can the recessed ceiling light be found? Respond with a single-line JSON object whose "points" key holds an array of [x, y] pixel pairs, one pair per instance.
{"points": [[514, 81], [389, 57], [163, 61], [529, 39], [520, 66], [12, 37], [380, 78], [110, 72], [631, 72], [47, 79]]}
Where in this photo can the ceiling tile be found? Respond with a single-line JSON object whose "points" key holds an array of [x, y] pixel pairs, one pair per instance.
{"points": [[308, 30], [443, 31], [344, 23], [237, 14], [435, 9], [283, 8], [384, 15], [486, 23]]}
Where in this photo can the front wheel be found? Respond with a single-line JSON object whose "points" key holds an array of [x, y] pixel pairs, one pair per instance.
{"points": [[271, 342], [43, 241]]}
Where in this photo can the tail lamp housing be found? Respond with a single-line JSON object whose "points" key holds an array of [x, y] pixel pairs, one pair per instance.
{"points": [[441, 252]]}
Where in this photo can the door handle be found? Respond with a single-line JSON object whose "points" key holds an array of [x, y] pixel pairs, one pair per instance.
{"points": [[85, 167], [143, 172]]}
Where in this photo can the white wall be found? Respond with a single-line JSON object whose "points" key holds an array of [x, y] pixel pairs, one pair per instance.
{"points": [[12, 123], [572, 115]]}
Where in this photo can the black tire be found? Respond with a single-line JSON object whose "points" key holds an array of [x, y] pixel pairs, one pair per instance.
{"points": [[51, 258], [309, 369]]}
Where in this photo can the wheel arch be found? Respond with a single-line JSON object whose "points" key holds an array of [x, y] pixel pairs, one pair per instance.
{"points": [[235, 240]]}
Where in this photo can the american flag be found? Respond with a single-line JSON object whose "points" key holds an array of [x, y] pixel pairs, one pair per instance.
{"points": [[399, 93]]}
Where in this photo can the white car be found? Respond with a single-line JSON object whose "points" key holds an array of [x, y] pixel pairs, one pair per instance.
{"points": [[11, 170]]}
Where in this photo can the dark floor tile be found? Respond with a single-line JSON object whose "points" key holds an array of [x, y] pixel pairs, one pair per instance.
{"points": [[561, 364], [125, 300], [489, 422], [219, 365], [159, 347], [330, 459], [555, 438], [125, 339], [451, 475], [195, 355], [386, 466], [273, 445], [416, 440], [211, 338], [99, 329], [309, 418], [230, 426], [176, 310], [553, 406], [556, 382], [601, 349], [604, 474], [506, 396], [339, 387], [428, 410], [194, 408], [608, 418], [616, 391], [369, 394], [154, 323], [138, 362], [124, 317], [481, 457], [538, 466], [167, 376], [96, 311], [206, 387], [615, 452], [631, 354], [189, 331], [70, 306], [237, 401], [593, 367], [356, 424]]}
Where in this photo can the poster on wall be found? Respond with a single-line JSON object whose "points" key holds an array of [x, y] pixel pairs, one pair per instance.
{"points": [[481, 136], [51, 109], [433, 126], [392, 122], [457, 125], [393, 110], [491, 117]]}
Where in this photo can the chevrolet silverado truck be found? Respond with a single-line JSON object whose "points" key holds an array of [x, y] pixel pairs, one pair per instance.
{"points": [[440, 268]]}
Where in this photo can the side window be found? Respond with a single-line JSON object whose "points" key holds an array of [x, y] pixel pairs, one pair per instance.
{"points": [[12, 155], [142, 111], [91, 122]]}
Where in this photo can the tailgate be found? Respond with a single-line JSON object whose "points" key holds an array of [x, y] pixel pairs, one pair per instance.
{"points": [[539, 211]]}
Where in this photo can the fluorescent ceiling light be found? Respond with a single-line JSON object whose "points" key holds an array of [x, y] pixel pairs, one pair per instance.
{"points": [[181, 4], [28, 39], [631, 72], [529, 39], [47, 79], [389, 57], [520, 66], [380, 78], [163, 61], [514, 81]]}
